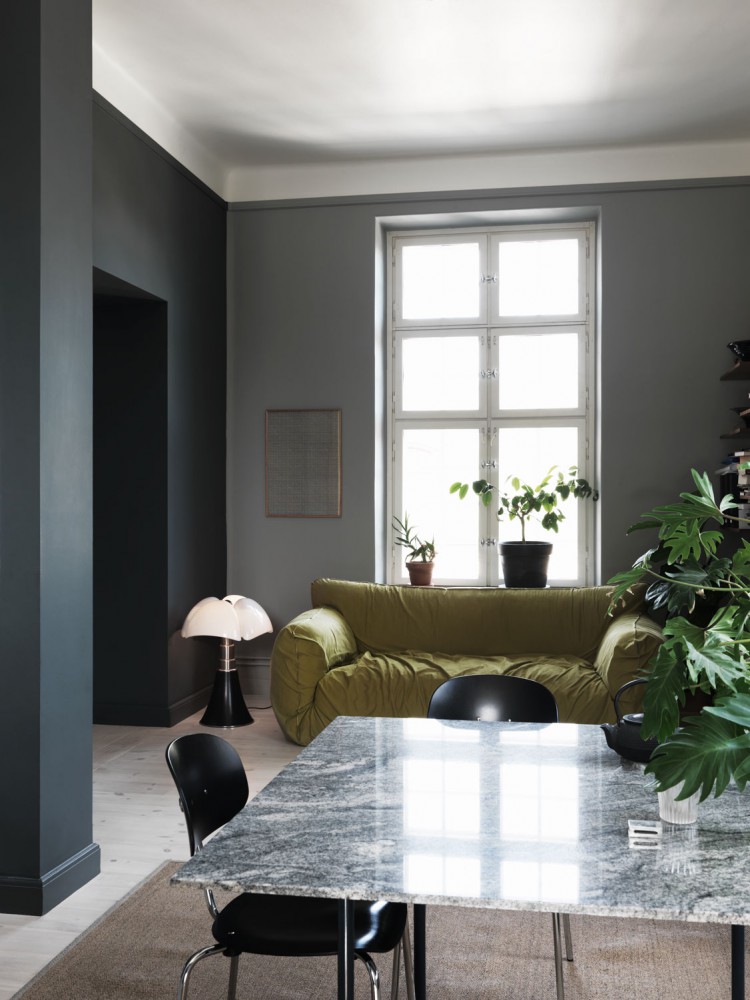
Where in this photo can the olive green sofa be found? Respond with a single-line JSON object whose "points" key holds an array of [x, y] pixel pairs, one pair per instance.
{"points": [[375, 649]]}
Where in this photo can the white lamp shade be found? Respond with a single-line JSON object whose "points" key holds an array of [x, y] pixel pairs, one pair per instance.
{"points": [[235, 617], [252, 618]]}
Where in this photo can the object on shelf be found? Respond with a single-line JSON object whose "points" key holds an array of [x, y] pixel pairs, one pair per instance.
{"points": [[739, 370], [741, 348]]}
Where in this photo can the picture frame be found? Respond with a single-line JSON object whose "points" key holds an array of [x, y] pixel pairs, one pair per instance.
{"points": [[303, 463]]}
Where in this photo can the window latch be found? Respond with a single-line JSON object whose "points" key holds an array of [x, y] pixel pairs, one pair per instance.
{"points": [[488, 279], [488, 373], [489, 542], [492, 464]]}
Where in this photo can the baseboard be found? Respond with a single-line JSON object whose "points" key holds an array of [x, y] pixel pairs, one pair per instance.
{"points": [[195, 702], [255, 678], [110, 714], [37, 896]]}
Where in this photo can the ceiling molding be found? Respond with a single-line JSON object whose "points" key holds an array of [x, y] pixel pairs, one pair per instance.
{"points": [[551, 168], [126, 94], [484, 171]]}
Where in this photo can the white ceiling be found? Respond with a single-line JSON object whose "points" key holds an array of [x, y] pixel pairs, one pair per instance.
{"points": [[253, 85]]}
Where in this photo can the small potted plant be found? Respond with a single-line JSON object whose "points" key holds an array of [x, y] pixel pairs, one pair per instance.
{"points": [[697, 699], [525, 562], [421, 554]]}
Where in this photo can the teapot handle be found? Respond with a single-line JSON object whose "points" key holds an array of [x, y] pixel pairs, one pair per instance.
{"points": [[629, 684]]}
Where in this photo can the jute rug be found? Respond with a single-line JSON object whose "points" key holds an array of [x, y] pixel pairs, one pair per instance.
{"points": [[137, 951]]}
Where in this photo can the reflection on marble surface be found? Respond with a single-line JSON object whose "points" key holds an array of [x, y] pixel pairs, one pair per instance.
{"points": [[504, 815]]}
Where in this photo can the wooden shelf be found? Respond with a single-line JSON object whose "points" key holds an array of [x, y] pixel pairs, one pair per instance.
{"points": [[739, 370]]}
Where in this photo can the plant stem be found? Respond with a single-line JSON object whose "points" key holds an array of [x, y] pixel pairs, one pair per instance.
{"points": [[696, 586]]}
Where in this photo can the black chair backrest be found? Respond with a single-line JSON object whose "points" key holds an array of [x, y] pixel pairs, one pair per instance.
{"points": [[493, 698], [211, 781]]}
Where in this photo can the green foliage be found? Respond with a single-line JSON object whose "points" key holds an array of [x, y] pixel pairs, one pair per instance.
{"points": [[705, 753], [524, 502], [706, 642], [407, 537]]}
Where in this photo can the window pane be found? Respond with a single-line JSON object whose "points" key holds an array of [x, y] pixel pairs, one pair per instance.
{"points": [[432, 460], [440, 281], [538, 371], [538, 278], [528, 452], [440, 373]]}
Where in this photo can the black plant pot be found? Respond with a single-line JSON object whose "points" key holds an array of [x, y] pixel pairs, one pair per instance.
{"points": [[525, 563]]}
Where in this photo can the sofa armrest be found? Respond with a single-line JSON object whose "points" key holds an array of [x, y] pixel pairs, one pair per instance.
{"points": [[305, 649], [625, 650]]}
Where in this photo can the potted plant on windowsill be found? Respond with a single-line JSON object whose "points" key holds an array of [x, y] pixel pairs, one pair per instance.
{"points": [[421, 554], [697, 700], [525, 562]]}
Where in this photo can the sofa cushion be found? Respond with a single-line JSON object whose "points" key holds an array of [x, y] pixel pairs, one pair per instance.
{"points": [[473, 621], [402, 683]]}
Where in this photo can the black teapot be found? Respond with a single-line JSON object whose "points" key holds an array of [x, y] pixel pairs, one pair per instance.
{"points": [[625, 738]]}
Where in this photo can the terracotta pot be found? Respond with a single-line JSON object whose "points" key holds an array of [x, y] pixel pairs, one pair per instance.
{"points": [[420, 573]]}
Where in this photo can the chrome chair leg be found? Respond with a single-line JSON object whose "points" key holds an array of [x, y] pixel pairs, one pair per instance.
{"points": [[408, 964], [372, 971], [234, 965], [215, 949], [556, 936], [396, 974], [568, 937]]}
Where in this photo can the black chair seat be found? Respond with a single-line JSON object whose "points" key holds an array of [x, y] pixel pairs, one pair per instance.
{"points": [[304, 925]]}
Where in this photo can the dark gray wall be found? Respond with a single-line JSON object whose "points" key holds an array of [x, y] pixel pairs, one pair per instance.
{"points": [[305, 293], [45, 454], [161, 231]]}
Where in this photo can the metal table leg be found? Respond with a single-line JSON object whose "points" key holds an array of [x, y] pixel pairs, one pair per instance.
{"points": [[420, 950], [738, 962], [346, 949]]}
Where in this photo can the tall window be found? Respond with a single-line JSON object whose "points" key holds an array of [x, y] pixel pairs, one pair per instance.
{"points": [[491, 376]]}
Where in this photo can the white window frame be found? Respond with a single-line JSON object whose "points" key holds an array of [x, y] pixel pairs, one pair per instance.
{"points": [[491, 327]]}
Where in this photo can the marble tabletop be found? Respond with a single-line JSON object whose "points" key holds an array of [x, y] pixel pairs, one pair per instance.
{"points": [[496, 815]]}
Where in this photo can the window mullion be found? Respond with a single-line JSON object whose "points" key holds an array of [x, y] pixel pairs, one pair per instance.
{"points": [[492, 575]]}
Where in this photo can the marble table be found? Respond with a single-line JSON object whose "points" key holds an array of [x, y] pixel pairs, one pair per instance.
{"points": [[504, 816]]}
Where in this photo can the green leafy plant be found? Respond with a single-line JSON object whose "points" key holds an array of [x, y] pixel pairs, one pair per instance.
{"points": [[523, 502], [407, 537], [704, 657]]}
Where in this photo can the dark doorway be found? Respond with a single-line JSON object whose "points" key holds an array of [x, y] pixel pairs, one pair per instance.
{"points": [[130, 503]]}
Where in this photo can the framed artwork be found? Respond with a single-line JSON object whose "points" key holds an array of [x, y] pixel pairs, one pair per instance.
{"points": [[303, 463]]}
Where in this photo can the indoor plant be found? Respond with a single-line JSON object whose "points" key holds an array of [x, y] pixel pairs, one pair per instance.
{"points": [[421, 554], [697, 701], [525, 562]]}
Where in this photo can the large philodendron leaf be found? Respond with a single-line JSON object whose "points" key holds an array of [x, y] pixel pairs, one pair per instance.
{"points": [[734, 708], [664, 691], [624, 582], [731, 621], [704, 754], [713, 663], [741, 558]]}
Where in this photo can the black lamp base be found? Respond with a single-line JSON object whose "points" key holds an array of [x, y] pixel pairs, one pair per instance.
{"points": [[226, 708]]}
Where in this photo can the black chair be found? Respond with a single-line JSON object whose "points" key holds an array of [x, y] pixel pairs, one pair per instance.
{"points": [[495, 698], [212, 785]]}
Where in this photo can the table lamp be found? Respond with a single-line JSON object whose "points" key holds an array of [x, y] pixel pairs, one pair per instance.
{"points": [[231, 619]]}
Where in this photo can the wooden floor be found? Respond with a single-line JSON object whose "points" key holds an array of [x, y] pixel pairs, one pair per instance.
{"points": [[138, 825]]}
